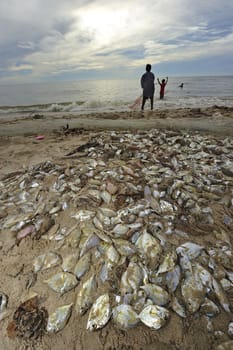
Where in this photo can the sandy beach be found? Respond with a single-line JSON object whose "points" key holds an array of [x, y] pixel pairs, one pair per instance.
{"points": [[88, 144]]}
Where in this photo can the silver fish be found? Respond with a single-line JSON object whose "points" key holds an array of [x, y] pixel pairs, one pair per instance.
{"points": [[192, 291], [221, 295], [168, 263], [59, 318], [100, 313], [154, 316], [62, 282], [209, 308], [46, 261], [190, 249], [157, 294], [149, 248], [177, 307], [173, 278], [120, 230], [131, 279], [124, 247], [124, 316], [69, 262], [3, 305], [112, 256], [90, 242], [85, 296], [82, 266]]}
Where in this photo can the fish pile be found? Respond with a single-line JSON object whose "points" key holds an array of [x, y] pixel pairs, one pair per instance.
{"points": [[125, 224]]}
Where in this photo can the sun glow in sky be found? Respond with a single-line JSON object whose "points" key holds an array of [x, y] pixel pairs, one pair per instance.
{"points": [[105, 39], [104, 24]]}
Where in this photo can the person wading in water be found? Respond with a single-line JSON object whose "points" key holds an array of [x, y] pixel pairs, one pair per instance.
{"points": [[162, 87], [148, 86]]}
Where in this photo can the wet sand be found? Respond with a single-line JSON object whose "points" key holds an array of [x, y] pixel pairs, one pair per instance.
{"points": [[214, 119]]}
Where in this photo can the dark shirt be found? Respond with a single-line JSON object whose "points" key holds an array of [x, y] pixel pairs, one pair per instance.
{"points": [[147, 83]]}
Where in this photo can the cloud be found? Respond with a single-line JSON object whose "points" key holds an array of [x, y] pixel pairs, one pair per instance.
{"points": [[66, 37]]}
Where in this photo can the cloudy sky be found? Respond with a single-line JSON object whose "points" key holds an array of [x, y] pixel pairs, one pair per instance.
{"points": [[100, 39]]}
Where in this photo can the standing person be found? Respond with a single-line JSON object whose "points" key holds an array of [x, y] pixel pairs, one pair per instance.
{"points": [[148, 86], [162, 87]]}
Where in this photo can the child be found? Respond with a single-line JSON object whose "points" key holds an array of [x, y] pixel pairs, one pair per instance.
{"points": [[162, 87]]}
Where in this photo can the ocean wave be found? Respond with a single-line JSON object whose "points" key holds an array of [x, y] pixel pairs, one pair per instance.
{"points": [[91, 106]]}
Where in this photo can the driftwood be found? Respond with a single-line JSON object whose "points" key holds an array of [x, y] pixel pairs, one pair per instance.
{"points": [[83, 147]]}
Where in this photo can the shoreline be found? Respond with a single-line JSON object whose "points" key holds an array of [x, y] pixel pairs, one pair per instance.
{"points": [[178, 119]]}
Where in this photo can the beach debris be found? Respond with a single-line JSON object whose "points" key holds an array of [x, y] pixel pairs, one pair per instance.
{"points": [[137, 229], [40, 137], [29, 320], [59, 318], [37, 116], [89, 144]]}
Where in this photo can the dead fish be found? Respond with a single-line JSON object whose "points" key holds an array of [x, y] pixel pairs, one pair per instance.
{"points": [[62, 282], [82, 266], [221, 295], [3, 305], [173, 278], [166, 207], [168, 263], [69, 262], [46, 261], [52, 232], [154, 316], [124, 316], [124, 247], [177, 307], [209, 308], [192, 291], [157, 294], [85, 296], [15, 219], [149, 248], [90, 242], [131, 279], [106, 196], [230, 329], [103, 236], [26, 231], [73, 238], [120, 230], [108, 212], [43, 226], [191, 250], [228, 345], [59, 318], [84, 215], [100, 313], [104, 272], [112, 256], [111, 187]]}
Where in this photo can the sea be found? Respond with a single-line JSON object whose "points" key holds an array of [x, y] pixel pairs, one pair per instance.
{"points": [[96, 96]]}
